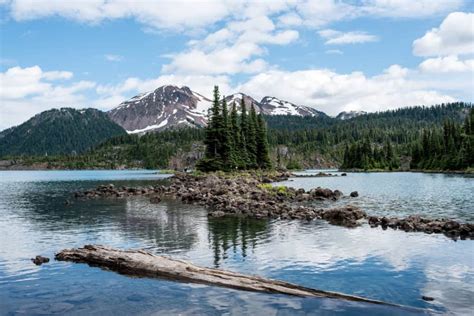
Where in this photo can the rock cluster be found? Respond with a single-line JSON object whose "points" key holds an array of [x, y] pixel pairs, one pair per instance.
{"points": [[111, 191], [249, 197], [415, 223]]}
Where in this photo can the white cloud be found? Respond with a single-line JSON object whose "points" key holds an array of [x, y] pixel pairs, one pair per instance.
{"points": [[409, 8], [322, 12], [332, 92], [190, 14], [334, 37], [19, 82], [290, 19], [113, 58], [28, 91], [232, 49], [177, 14], [447, 64], [455, 36]]}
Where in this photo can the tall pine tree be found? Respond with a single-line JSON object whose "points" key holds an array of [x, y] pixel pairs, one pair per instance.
{"points": [[263, 159], [225, 139], [239, 152], [212, 157], [251, 138]]}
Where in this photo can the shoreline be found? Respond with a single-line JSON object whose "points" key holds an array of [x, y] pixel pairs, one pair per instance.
{"points": [[462, 172], [322, 170]]}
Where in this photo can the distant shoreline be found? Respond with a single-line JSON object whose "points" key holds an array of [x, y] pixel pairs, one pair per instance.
{"points": [[6, 165], [408, 170]]}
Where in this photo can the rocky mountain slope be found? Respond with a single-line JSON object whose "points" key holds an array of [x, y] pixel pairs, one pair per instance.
{"points": [[162, 108], [59, 131], [172, 106]]}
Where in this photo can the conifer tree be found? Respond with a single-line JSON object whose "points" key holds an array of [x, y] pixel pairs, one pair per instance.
{"points": [[212, 159], [251, 138], [225, 139], [263, 158], [244, 133], [238, 148]]}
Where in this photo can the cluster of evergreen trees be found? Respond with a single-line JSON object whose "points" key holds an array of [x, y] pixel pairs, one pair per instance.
{"points": [[234, 141], [362, 155], [449, 148]]}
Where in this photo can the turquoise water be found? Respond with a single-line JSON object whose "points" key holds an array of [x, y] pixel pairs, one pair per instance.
{"points": [[389, 265]]}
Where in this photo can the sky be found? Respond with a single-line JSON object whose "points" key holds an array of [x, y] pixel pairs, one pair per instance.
{"points": [[332, 55]]}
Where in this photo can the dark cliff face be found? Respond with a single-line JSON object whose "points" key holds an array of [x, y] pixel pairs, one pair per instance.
{"points": [[59, 131], [166, 106]]}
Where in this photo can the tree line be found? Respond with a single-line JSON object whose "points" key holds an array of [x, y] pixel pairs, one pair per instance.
{"points": [[437, 137], [234, 141], [364, 155], [449, 148]]}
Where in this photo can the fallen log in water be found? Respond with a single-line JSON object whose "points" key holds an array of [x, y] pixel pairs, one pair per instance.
{"points": [[143, 264]]}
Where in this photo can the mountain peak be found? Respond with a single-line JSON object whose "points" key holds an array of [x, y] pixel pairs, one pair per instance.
{"points": [[173, 106], [274, 106], [164, 107]]}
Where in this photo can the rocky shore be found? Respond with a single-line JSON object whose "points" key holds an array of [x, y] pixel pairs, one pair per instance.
{"points": [[252, 195]]}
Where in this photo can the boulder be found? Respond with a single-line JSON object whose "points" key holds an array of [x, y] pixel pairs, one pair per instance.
{"points": [[39, 260], [347, 216]]}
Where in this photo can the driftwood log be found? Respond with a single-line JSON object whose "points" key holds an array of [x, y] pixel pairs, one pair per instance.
{"points": [[143, 264]]}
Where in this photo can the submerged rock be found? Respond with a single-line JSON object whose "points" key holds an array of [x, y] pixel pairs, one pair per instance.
{"points": [[39, 260], [427, 298], [354, 194], [155, 199]]}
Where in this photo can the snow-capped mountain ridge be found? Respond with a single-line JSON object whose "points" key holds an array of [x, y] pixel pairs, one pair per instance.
{"points": [[173, 106], [164, 107], [275, 106]]}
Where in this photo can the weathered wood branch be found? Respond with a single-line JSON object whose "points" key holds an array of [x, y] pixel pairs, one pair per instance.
{"points": [[143, 264]]}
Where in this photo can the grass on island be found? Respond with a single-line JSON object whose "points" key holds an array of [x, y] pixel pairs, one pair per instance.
{"points": [[275, 190]]}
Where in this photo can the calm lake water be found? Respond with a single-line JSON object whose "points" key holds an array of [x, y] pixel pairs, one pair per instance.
{"points": [[389, 265]]}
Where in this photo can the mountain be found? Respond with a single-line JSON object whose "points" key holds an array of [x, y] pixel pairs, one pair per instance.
{"points": [[274, 106], [172, 106], [237, 98], [164, 107], [59, 131], [350, 115]]}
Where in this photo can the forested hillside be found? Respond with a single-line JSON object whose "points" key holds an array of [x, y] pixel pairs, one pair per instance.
{"points": [[59, 131]]}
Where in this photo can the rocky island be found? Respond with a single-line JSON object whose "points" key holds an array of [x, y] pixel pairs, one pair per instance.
{"points": [[252, 194]]}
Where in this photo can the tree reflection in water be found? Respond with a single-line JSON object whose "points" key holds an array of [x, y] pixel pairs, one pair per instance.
{"points": [[234, 232]]}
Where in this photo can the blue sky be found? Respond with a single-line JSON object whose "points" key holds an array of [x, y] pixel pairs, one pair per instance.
{"points": [[332, 55]]}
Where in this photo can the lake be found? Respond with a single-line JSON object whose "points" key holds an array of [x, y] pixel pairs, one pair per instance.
{"points": [[388, 265]]}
